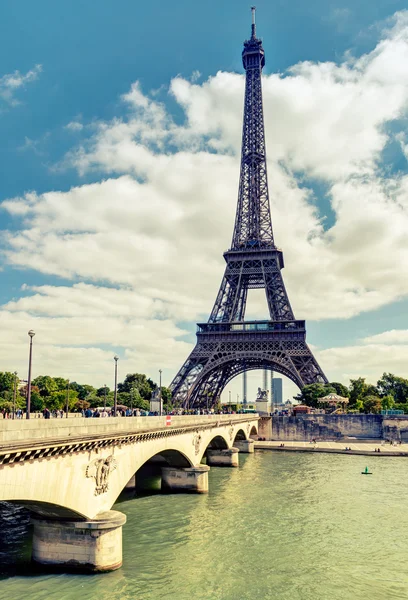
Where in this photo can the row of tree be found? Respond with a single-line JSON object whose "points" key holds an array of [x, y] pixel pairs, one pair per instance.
{"points": [[391, 392], [52, 393]]}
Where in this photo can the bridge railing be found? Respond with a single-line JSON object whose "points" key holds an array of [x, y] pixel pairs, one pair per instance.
{"points": [[65, 429]]}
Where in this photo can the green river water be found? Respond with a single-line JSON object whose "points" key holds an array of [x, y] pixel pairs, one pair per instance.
{"points": [[284, 526]]}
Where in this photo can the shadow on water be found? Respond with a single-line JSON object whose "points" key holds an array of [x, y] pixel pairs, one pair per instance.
{"points": [[15, 540]]}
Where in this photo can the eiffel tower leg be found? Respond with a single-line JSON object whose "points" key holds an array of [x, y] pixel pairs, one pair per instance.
{"points": [[308, 367]]}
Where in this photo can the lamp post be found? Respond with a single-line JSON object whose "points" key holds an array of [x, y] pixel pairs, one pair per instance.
{"points": [[31, 333], [115, 400], [67, 403], [14, 394], [229, 393], [104, 398], [160, 393]]}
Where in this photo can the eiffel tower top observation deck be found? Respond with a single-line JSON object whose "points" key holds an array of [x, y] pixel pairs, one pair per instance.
{"points": [[227, 344]]}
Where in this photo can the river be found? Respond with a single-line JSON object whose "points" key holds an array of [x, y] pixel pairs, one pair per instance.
{"points": [[284, 526]]}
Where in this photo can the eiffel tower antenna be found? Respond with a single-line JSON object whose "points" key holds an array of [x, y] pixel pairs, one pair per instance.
{"points": [[227, 345], [253, 32]]}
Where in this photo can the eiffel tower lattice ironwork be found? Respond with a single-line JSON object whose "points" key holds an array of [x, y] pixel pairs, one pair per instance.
{"points": [[228, 345]]}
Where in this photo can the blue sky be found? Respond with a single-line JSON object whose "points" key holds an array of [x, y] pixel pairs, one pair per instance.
{"points": [[118, 201]]}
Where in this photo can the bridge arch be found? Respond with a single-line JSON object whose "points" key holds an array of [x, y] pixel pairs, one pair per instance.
{"points": [[240, 436], [253, 431], [49, 510], [218, 443], [74, 479]]}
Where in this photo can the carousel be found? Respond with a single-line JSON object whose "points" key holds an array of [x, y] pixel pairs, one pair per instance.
{"points": [[335, 401]]}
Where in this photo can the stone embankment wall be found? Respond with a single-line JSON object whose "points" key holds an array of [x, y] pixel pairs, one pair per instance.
{"points": [[395, 428], [332, 427]]}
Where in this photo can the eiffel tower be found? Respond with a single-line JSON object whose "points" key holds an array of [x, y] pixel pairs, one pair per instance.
{"points": [[227, 345]]}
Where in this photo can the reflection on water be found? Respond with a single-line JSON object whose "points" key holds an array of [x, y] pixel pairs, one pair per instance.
{"points": [[282, 526]]}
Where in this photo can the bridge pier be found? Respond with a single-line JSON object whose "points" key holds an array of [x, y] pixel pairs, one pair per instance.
{"points": [[245, 446], [190, 479], [222, 458], [91, 546]]}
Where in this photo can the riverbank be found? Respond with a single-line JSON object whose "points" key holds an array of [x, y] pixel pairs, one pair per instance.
{"points": [[361, 447]]}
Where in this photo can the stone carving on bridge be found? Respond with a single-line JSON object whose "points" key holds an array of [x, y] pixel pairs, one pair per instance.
{"points": [[100, 469], [231, 432], [197, 442], [248, 428]]}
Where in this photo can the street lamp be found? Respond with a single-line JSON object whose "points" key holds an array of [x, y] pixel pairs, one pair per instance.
{"points": [[160, 394], [67, 406], [115, 401], [14, 394], [31, 333], [104, 398]]}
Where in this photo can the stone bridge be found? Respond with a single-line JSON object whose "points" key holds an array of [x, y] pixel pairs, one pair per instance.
{"points": [[70, 472]]}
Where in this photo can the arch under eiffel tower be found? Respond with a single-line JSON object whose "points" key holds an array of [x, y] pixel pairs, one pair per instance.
{"points": [[227, 345]]}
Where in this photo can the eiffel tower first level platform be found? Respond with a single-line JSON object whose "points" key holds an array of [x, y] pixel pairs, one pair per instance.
{"points": [[227, 345]]}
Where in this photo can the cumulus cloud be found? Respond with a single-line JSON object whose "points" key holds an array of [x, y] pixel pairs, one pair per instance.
{"points": [[364, 360], [155, 225], [74, 126], [11, 83]]}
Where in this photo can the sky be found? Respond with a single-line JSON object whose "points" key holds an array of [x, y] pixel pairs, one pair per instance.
{"points": [[120, 130]]}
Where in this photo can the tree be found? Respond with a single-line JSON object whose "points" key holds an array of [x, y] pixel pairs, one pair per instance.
{"points": [[61, 383], [100, 392], [371, 390], [311, 393], [341, 389], [396, 386], [358, 389], [6, 381], [387, 402], [81, 405], [372, 404], [58, 400], [45, 384], [141, 382], [36, 402]]}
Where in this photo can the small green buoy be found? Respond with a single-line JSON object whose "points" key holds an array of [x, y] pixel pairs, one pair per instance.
{"points": [[366, 472]]}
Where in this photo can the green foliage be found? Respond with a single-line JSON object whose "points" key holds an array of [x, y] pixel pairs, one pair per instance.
{"points": [[61, 383], [139, 381], [311, 393], [133, 399], [37, 401], [84, 391], [387, 402], [81, 405], [45, 384], [341, 390], [100, 392], [399, 406], [6, 381], [57, 400], [358, 389], [395, 386], [372, 404]]}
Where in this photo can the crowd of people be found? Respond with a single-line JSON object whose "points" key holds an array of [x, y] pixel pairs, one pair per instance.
{"points": [[110, 412]]}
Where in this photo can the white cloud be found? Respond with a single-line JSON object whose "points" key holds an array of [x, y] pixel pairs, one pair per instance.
{"points": [[395, 336], [74, 126], [156, 225], [12, 82], [369, 361]]}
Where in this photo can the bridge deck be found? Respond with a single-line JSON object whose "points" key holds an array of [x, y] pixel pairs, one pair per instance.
{"points": [[38, 433]]}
